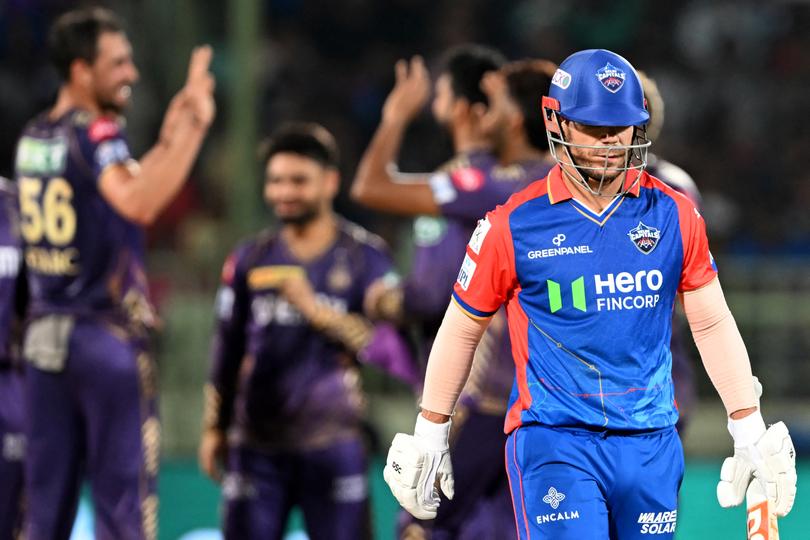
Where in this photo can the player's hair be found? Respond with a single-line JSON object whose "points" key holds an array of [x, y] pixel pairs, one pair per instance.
{"points": [[307, 139], [528, 82], [466, 66], [655, 105], [74, 36]]}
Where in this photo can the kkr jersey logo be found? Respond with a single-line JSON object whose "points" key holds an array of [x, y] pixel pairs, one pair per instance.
{"points": [[645, 238], [611, 77]]}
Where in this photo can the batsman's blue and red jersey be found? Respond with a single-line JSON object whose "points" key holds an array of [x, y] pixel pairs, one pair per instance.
{"points": [[589, 298]]}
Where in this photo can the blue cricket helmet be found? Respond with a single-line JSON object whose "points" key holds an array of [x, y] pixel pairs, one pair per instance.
{"points": [[597, 87]]}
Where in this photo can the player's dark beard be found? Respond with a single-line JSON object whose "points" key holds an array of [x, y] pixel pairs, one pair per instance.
{"points": [[107, 105], [304, 217]]}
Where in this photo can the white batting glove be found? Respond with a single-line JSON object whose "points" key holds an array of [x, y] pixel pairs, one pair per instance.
{"points": [[416, 463], [764, 454]]}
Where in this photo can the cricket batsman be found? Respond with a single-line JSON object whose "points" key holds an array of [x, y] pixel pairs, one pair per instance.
{"points": [[589, 262]]}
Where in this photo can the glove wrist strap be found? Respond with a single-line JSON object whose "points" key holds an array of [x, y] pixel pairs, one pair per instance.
{"points": [[747, 431], [434, 436]]}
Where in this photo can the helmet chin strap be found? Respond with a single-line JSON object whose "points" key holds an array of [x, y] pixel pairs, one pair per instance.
{"points": [[634, 150]]}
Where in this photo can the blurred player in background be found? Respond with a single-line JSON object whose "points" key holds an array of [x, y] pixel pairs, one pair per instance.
{"points": [[683, 372], [448, 201], [90, 384], [12, 306], [513, 128], [284, 404], [589, 263]]}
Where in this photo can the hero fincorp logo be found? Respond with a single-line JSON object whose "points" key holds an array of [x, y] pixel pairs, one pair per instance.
{"points": [[613, 292], [558, 240], [634, 291]]}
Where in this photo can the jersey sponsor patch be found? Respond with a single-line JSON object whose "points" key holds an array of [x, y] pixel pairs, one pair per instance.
{"points": [[562, 79], [644, 238], [102, 129], [611, 77], [478, 235], [111, 153], [468, 178], [466, 273], [442, 187], [42, 157]]}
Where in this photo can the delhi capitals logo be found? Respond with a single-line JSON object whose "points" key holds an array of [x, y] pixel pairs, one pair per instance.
{"points": [[611, 77], [645, 238]]}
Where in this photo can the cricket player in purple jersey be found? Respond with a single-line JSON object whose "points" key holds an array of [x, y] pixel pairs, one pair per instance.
{"points": [[90, 383], [13, 296], [512, 127], [284, 404]]}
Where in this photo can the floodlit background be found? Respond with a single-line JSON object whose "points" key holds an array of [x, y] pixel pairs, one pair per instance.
{"points": [[734, 75]]}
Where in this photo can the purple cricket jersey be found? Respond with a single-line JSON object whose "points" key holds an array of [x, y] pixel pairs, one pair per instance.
{"points": [[12, 295], [465, 189], [283, 385], [12, 440], [82, 257]]}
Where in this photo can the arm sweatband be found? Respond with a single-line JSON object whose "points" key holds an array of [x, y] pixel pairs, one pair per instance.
{"points": [[720, 345], [451, 359]]}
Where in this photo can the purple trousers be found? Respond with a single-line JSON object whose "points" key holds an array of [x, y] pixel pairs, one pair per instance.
{"points": [[482, 506], [95, 420], [12, 452], [329, 485]]}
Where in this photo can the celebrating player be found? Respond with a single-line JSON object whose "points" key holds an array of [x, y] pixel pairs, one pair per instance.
{"points": [[90, 385], [589, 262], [284, 403], [12, 303]]}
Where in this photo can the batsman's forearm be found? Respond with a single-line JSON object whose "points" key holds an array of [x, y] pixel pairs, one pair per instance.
{"points": [[721, 347], [450, 360]]}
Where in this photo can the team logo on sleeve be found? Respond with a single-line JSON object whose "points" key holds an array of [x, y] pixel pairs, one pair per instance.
{"points": [[611, 77], [478, 235], [466, 273], [645, 238], [468, 179], [101, 129]]}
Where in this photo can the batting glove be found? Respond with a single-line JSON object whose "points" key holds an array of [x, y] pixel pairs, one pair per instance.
{"points": [[764, 454], [416, 463]]}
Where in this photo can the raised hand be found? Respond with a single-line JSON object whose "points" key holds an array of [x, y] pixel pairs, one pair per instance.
{"points": [[410, 93], [199, 88]]}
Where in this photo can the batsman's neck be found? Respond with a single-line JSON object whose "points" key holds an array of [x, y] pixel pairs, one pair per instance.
{"points": [[596, 203]]}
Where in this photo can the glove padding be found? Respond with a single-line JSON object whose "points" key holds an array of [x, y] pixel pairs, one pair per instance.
{"points": [[416, 463], [771, 460]]}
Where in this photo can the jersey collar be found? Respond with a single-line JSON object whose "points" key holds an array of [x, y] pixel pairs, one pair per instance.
{"points": [[558, 190]]}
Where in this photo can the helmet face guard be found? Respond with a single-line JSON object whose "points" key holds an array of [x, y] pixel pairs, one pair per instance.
{"points": [[635, 154], [597, 87]]}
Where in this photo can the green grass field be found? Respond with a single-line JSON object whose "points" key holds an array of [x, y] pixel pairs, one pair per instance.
{"points": [[188, 502]]}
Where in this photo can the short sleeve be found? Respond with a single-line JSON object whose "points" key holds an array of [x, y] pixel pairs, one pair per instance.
{"points": [[487, 274], [106, 145], [699, 267], [466, 189]]}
